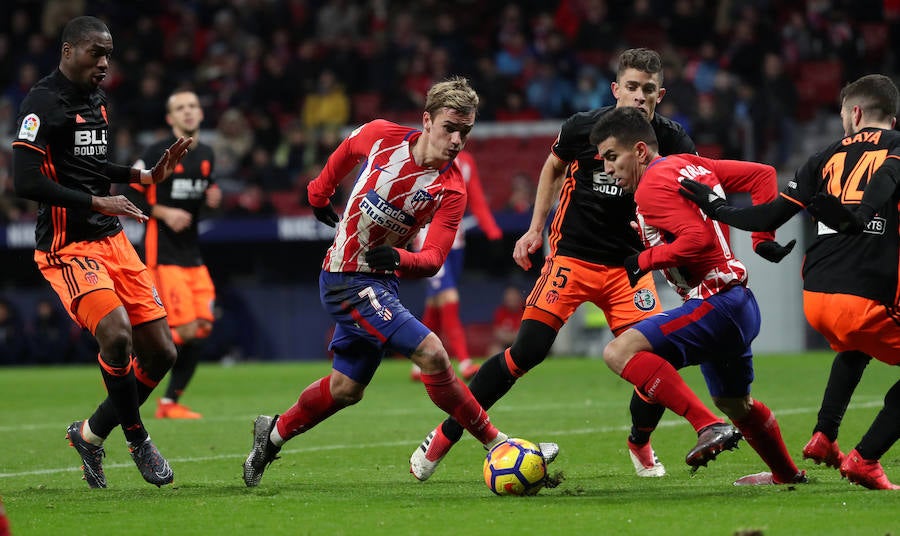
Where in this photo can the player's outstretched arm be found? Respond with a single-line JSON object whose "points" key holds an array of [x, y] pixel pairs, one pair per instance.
{"points": [[166, 164], [765, 217], [547, 190]]}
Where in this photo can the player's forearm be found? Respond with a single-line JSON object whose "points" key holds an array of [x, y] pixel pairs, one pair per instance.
{"points": [[880, 189], [547, 191], [766, 217], [31, 183]]}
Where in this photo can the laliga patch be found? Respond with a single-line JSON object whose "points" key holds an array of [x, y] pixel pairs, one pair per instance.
{"points": [[30, 126], [644, 300]]}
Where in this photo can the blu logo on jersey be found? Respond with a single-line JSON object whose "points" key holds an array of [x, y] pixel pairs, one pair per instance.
{"points": [[385, 214]]}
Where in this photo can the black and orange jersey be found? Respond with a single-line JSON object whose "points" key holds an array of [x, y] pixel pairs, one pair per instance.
{"points": [[68, 126], [593, 220], [184, 189], [862, 265]]}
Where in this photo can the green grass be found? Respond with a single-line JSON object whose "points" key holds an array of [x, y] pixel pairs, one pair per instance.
{"points": [[349, 475]]}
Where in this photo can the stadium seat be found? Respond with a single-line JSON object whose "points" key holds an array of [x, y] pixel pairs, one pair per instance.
{"points": [[365, 106]]}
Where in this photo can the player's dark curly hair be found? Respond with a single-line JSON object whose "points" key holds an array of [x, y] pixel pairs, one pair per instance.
{"points": [[876, 94], [79, 28], [642, 59], [628, 125]]}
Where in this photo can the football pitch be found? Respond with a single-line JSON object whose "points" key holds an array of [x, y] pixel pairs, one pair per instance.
{"points": [[350, 474]]}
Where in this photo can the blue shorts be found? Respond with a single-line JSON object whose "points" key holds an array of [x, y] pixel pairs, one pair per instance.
{"points": [[715, 333], [448, 276], [370, 320]]}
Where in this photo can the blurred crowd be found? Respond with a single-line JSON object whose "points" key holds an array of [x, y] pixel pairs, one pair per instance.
{"points": [[280, 80]]}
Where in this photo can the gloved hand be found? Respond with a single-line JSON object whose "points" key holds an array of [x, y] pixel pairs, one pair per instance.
{"points": [[633, 268], [326, 215], [830, 211], [383, 257], [703, 196], [772, 251]]}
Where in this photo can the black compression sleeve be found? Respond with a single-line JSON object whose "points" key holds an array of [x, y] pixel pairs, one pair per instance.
{"points": [[30, 183], [766, 217], [118, 172]]}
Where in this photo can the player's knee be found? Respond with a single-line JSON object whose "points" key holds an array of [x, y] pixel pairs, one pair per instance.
{"points": [[616, 356], [431, 356], [734, 408], [115, 344], [346, 393]]}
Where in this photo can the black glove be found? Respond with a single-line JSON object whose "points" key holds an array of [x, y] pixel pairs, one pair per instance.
{"points": [[383, 258], [326, 215], [830, 211], [633, 268], [703, 196], [772, 251]]}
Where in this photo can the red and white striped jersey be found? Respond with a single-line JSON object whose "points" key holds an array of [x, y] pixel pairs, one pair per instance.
{"points": [[392, 198], [693, 251]]}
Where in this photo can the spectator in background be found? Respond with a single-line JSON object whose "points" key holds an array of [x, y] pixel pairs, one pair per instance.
{"points": [[516, 108], [777, 95], [253, 201], [327, 109], [521, 195], [231, 144], [548, 92], [506, 320], [592, 90], [13, 345], [596, 31]]}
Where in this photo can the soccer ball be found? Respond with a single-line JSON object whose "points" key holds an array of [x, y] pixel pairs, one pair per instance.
{"points": [[515, 467]]}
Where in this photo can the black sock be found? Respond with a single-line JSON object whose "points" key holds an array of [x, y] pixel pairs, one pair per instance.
{"points": [[122, 392], [489, 384], [846, 372], [885, 429], [105, 419], [644, 418], [183, 369]]}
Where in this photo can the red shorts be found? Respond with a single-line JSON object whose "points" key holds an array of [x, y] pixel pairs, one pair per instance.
{"points": [[108, 263], [566, 282], [853, 323], [188, 292]]}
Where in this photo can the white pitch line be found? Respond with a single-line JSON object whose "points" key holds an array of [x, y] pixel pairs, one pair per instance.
{"points": [[580, 431]]}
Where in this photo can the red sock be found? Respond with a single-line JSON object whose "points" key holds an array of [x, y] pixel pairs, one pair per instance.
{"points": [[451, 395], [453, 334], [431, 317], [314, 406], [657, 378], [761, 431]]}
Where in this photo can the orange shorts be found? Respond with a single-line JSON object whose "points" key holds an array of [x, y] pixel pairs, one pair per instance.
{"points": [[853, 323], [566, 282], [108, 263], [188, 292]]}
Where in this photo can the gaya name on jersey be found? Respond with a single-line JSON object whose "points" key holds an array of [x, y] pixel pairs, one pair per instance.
{"points": [[90, 142]]}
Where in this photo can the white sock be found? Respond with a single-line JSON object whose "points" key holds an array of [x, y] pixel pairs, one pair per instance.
{"points": [[501, 437], [165, 400], [275, 437], [89, 435]]}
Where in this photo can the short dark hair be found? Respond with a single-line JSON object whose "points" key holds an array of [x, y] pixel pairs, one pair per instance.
{"points": [[79, 28], [876, 94], [627, 124], [642, 59]]}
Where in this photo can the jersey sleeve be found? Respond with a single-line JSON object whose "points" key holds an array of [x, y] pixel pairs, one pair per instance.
{"points": [[663, 208], [348, 154], [566, 146], [441, 233], [805, 184], [39, 115]]}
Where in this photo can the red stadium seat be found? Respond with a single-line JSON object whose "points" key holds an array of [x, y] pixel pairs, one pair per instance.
{"points": [[365, 106]]}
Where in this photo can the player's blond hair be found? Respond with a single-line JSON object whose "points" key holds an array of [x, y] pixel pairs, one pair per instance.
{"points": [[454, 93]]}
